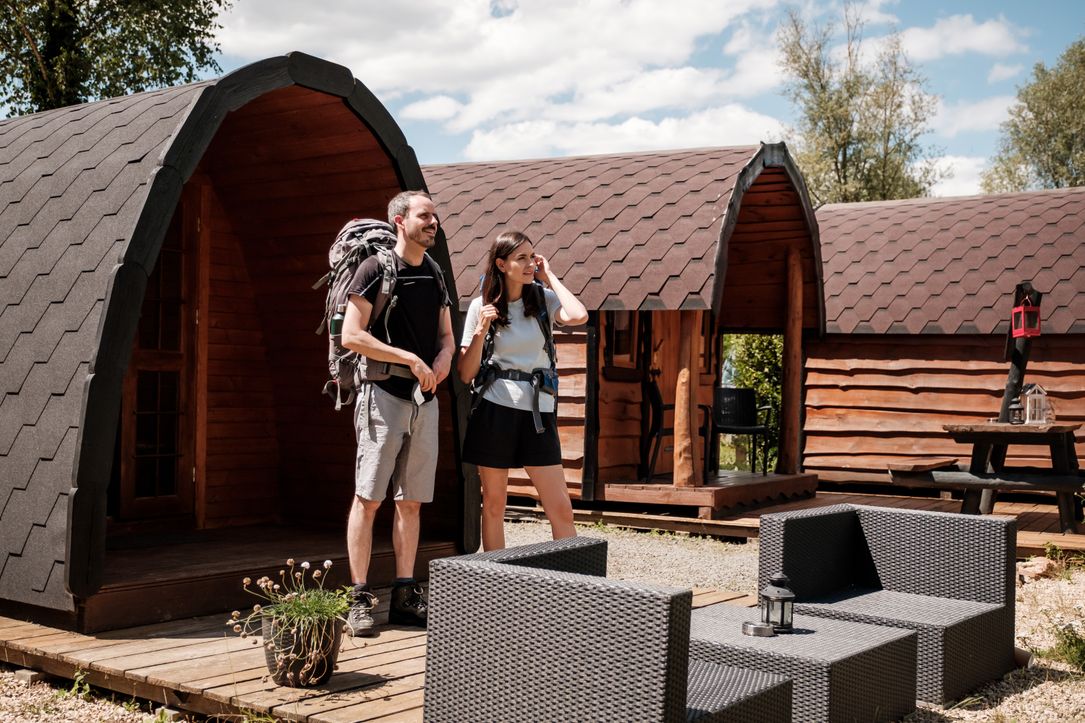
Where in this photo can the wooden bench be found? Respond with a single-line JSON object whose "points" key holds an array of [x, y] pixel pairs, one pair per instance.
{"points": [[1023, 479]]}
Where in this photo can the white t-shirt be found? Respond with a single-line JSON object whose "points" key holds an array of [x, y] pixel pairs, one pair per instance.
{"points": [[520, 345]]}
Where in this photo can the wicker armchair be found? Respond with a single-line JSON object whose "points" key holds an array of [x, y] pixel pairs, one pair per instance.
{"points": [[537, 633], [950, 577]]}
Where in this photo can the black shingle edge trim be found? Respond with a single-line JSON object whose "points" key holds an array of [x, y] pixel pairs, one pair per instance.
{"points": [[769, 155], [85, 541]]}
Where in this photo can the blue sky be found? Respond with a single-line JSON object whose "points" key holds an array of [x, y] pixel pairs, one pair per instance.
{"points": [[476, 80]]}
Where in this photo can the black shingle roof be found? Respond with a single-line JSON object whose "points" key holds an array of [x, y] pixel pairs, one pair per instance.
{"points": [[86, 193]]}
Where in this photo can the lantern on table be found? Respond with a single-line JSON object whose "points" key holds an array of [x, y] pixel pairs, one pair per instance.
{"points": [[1035, 403], [778, 604], [1016, 412], [1025, 320]]}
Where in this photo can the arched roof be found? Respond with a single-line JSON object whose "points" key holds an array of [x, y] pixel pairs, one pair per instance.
{"points": [[626, 231], [86, 194], [950, 265]]}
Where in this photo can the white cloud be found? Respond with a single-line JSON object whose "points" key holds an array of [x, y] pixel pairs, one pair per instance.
{"points": [[965, 180], [439, 107], [959, 34], [506, 62], [982, 115], [871, 13], [721, 126], [1000, 72]]}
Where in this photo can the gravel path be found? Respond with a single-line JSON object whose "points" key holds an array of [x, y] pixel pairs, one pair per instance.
{"points": [[1048, 691]]}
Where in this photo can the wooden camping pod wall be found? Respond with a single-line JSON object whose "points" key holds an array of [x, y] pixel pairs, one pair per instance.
{"points": [[280, 178], [872, 399]]}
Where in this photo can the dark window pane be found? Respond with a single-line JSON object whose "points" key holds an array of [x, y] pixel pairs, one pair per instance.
{"points": [[147, 392], [169, 332], [167, 476], [170, 271], [167, 434], [146, 476], [169, 389], [146, 434]]}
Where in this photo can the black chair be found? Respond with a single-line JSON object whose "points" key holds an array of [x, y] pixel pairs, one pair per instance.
{"points": [[735, 411], [652, 438]]}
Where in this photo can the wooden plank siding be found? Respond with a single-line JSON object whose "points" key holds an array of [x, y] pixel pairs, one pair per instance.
{"points": [[873, 399], [572, 349], [285, 172], [770, 221], [621, 403], [241, 484]]}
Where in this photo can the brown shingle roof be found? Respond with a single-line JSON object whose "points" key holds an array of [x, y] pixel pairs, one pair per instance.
{"points": [[634, 230], [949, 265]]}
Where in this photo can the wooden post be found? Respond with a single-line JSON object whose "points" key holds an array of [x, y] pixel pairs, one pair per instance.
{"points": [[791, 394], [686, 472]]}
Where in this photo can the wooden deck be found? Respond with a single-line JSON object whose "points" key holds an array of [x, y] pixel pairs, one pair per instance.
{"points": [[197, 665], [726, 494]]}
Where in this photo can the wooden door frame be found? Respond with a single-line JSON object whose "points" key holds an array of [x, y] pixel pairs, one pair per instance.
{"points": [[186, 507]]}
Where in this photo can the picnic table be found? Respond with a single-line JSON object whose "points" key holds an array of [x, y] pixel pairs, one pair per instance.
{"points": [[987, 472]]}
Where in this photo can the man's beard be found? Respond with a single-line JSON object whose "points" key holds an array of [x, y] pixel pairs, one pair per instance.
{"points": [[423, 239]]}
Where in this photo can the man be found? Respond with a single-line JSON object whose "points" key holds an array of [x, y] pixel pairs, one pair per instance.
{"points": [[396, 419]]}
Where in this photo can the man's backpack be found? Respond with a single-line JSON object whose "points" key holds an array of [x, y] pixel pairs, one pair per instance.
{"points": [[359, 239]]}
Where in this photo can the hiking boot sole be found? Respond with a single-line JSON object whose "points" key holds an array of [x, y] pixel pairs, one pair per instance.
{"points": [[402, 618]]}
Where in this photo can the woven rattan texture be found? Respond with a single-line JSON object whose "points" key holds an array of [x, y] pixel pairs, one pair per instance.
{"points": [[519, 644], [947, 576], [725, 694], [583, 555], [840, 670]]}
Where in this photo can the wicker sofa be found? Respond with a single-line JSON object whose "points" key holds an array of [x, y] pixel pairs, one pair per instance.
{"points": [[950, 577], [538, 633]]}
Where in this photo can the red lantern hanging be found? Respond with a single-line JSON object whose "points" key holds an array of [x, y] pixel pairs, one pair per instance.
{"points": [[1025, 321]]}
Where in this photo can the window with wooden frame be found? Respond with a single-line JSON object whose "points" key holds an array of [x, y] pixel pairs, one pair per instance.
{"points": [[153, 472], [709, 343], [621, 360]]}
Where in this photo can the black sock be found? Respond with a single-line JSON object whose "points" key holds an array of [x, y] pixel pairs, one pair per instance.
{"points": [[359, 589], [400, 581]]}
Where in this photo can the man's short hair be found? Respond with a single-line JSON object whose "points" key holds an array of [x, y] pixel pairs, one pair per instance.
{"points": [[400, 203]]}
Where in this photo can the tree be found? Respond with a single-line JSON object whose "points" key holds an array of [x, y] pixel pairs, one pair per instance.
{"points": [[62, 52], [1042, 144], [861, 121]]}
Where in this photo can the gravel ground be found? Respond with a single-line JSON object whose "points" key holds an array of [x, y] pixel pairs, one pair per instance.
{"points": [[1047, 691]]}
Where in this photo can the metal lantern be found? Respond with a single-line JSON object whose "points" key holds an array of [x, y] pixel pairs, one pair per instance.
{"points": [[778, 603], [1025, 320], [1016, 411]]}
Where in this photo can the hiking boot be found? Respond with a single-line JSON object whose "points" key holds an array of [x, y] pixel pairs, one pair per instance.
{"points": [[360, 615], [408, 606]]}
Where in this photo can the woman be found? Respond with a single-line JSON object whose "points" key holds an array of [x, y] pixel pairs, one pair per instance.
{"points": [[502, 433]]}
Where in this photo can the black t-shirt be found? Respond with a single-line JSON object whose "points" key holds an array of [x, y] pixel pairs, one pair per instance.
{"points": [[413, 322]]}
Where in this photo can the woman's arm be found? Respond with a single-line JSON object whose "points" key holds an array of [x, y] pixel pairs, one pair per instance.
{"points": [[572, 312], [471, 355]]}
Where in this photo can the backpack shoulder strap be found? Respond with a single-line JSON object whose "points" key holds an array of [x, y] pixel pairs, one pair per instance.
{"points": [[387, 260], [543, 318]]}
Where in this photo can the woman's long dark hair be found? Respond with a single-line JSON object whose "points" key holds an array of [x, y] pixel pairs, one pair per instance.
{"points": [[493, 285]]}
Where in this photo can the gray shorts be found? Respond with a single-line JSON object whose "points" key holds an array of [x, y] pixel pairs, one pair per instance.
{"points": [[397, 443]]}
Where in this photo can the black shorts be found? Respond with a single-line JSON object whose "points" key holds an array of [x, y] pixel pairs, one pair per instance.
{"points": [[505, 438]]}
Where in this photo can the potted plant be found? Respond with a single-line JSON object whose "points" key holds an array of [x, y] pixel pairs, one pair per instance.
{"points": [[300, 621]]}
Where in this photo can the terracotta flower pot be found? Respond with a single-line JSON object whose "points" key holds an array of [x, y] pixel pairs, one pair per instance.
{"points": [[304, 656]]}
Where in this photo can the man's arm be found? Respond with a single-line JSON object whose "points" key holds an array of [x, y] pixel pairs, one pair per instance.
{"points": [[357, 339], [442, 363]]}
